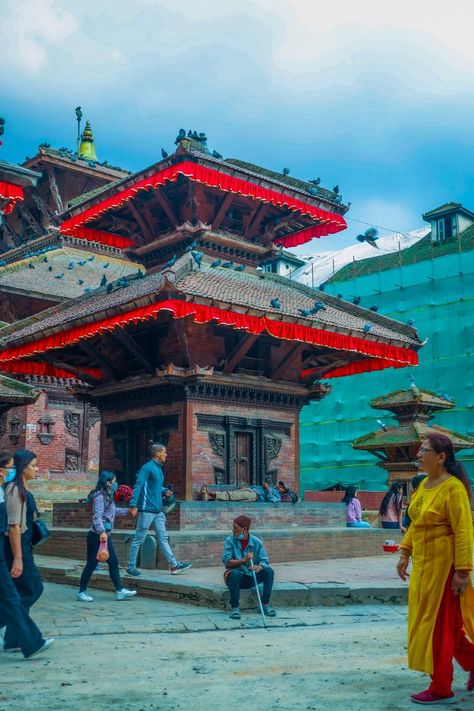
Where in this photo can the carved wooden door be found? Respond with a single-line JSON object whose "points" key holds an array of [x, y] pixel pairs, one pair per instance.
{"points": [[243, 458]]}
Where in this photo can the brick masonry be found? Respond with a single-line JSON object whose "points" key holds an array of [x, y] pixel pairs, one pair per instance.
{"points": [[208, 516], [205, 548], [370, 500]]}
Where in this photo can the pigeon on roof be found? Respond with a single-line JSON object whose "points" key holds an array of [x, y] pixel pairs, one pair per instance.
{"points": [[58, 276], [240, 268], [217, 263], [275, 303], [374, 309], [164, 154], [315, 182], [356, 300], [228, 265], [216, 154], [197, 256], [171, 261], [367, 327], [103, 281]]}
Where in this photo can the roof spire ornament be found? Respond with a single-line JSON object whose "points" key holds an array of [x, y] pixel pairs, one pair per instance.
{"points": [[87, 148]]}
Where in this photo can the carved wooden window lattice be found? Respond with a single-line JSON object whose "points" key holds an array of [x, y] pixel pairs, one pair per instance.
{"points": [[72, 420], [71, 461], [45, 435], [272, 447], [217, 442], [3, 424]]}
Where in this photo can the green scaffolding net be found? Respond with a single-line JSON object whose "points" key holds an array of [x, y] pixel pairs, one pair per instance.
{"points": [[438, 294]]}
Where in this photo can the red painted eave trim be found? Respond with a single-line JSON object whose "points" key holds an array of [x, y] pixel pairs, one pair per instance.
{"points": [[327, 222]]}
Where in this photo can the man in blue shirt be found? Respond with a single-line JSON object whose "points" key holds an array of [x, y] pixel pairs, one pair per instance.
{"points": [[241, 550], [147, 500]]}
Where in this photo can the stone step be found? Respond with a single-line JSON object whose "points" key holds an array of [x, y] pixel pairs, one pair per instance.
{"points": [[297, 585], [204, 548]]}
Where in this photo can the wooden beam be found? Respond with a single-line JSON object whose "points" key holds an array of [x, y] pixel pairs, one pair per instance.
{"points": [[288, 360], [255, 219], [167, 208], [238, 353], [85, 377], [142, 223], [53, 187], [97, 358], [134, 348], [183, 341], [221, 212]]}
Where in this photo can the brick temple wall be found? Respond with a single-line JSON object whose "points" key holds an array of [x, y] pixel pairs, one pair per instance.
{"points": [[61, 455]]}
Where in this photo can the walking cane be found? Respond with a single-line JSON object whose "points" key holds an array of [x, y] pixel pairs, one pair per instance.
{"points": [[251, 566]]}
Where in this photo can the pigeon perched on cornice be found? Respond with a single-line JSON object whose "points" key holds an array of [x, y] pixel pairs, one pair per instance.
{"points": [[164, 154], [217, 263], [315, 182], [275, 303]]}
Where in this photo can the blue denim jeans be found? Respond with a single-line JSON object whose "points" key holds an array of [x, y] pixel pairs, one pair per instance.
{"points": [[144, 523]]}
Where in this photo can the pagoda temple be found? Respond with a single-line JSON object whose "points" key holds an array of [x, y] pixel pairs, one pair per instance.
{"points": [[397, 445], [39, 268], [207, 351]]}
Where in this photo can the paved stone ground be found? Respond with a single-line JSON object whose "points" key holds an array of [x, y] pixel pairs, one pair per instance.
{"points": [[154, 655], [326, 582]]}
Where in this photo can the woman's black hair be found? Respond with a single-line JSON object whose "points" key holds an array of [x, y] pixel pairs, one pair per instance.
{"points": [[349, 494], [21, 459], [443, 445], [101, 486], [5, 458], [416, 481], [393, 493]]}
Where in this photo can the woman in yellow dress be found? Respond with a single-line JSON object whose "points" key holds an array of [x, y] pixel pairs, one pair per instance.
{"points": [[441, 596]]}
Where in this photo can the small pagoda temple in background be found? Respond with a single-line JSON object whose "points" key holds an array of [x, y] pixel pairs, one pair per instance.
{"points": [[194, 343], [397, 445]]}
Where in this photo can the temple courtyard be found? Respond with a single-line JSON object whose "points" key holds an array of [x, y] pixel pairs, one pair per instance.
{"points": [[151, 654]]}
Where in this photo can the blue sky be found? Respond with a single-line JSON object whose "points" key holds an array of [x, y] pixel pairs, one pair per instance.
{"points": [[376, 99]]}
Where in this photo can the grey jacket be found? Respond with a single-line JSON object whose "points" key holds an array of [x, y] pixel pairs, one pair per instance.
{"points": [[233, 551]]}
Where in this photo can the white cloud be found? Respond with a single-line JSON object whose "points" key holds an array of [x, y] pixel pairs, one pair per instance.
{"points": [[30, 28]]}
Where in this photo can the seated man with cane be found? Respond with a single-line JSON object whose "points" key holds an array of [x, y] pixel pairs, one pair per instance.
{"points": [[241, 551]]}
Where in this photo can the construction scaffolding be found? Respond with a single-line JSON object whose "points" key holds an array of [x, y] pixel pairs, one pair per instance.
{"points": [[436, 291]]}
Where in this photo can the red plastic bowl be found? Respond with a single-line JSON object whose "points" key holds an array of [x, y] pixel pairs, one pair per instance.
{"points": [[391, 549]]}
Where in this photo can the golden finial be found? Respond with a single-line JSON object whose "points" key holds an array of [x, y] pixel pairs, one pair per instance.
{"points": [[87, 148]]}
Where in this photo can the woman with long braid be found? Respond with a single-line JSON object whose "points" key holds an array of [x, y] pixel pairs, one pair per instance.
{"points": [[439, 543]]}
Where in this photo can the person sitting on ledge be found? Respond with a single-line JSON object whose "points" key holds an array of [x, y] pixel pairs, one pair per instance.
{"points": [[266, 492], [242, 549], [353, 509]]}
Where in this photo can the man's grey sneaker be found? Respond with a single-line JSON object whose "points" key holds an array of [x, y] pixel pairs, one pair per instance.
{"points": [[182, 565], [235, 614], [269, 611], [46, 645], [134, 572], [84, 597], [124, 594]]}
